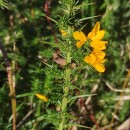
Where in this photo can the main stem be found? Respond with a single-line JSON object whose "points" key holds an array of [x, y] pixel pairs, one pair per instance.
{"points": [[66, 92]]}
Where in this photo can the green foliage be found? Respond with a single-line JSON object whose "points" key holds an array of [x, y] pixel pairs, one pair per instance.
{"points": [[38, 63], [4, 4]]}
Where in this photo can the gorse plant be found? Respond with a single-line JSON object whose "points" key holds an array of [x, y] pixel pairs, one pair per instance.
{"points": [[66, 73], [75, 47]]}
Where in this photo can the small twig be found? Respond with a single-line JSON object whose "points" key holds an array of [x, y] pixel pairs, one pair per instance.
{"points": [[35, 121], [125, 125], [123, 98], [88, 105], [108, 126], [99, 119], [94, 89], [25, 118], [47, 11], [114, 89], [11, 85]]}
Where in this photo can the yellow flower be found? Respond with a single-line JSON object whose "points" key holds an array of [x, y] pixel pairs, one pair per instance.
{"points": [[99, 54], [99, 67], [96, 58], [42, 97], [80, 37], [96, 33], [63, 32], [98, 45]]}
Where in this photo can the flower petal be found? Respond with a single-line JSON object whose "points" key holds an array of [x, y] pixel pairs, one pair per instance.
{"points": [[100, 54], [93, 33], [98, 45], [96, 27], [99, 35], [42, 97], [79, 44], [103, 60], [79, 35], [99, 67], [63, 32], [91, 59]]}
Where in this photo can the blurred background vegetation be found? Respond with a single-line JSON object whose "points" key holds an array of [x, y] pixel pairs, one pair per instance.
{"points": [[29, 40]]}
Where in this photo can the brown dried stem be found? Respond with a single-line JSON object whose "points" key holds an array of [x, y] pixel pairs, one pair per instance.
{"points": [[11, 85], [47, 11]]}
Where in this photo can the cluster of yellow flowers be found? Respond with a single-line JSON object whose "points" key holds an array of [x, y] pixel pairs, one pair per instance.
{"points": [[96, 57]]}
